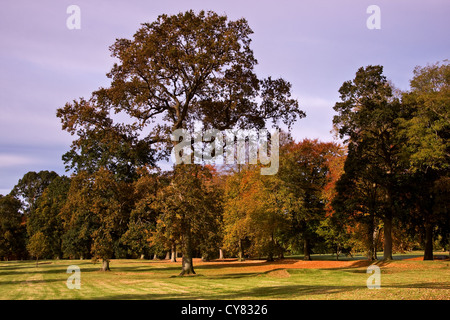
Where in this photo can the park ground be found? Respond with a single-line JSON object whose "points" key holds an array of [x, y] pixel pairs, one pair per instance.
{"points": [[407, 277]]}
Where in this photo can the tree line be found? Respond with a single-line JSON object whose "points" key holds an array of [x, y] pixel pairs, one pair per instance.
{"points": [[386, 187]]}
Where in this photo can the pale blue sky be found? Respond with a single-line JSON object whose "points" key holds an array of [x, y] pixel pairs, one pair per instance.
{"points": [[314, 44]]}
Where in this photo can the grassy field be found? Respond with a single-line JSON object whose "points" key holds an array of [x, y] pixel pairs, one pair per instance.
{"points": [[323, 278]]}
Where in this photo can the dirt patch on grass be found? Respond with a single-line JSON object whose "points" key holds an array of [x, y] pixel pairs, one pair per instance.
{"points": [[272, 266], [331, 264], [437, 257], [132, 273], [280, 273]]}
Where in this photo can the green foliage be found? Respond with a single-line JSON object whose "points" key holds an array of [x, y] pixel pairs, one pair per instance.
{"points": [[46, 217], [368, 117], [426, 127], [37, 245], [12, 229], [31, 186], [304, 172], [253, 214], [190, 210]]}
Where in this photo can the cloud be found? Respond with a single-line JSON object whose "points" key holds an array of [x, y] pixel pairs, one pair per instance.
{"points": [[13, 160]]}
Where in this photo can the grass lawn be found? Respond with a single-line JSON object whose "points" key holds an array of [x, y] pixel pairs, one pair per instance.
{"points": [[322, 278]]}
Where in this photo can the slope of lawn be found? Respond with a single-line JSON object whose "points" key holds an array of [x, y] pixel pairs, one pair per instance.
{"points": [[322, 278]]}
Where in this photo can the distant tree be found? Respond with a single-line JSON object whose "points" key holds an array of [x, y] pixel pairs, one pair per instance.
{"points": [[268, 218], [235, 220], [46, 216], [304, 170], [31, 186], [103, 141], [360, 199], [98, 206], [334, 228], [77, 219], [37, 246], [253, 214], [12, 229], [143, 216], [189, 205]]}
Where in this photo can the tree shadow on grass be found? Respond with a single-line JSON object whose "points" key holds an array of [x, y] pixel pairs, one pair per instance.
{"points": [[421, 285], [28, 282], [259, 293], [282, 292]]}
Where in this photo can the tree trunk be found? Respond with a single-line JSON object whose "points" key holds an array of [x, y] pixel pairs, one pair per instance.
{"points": [[387, 246], [167, 255], [306, 250], [376, 235], [271, 248], [187, 266], [241, 251], [174, 253], [370, 240], [428, 255], [220, 254], [338, 250], [270, 256], [105, 265]]}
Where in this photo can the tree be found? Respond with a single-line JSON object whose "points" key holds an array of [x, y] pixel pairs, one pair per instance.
{"points": [[31, 186], [181, 68], [427, 125], [426, 132], [98, 207], [12, 229], [368, 117], [304, 169], [46, 216], [333, 228], [37, 245], [189, 67], [235, 219], [189, 206], [143, 216], [360, 200], [103, 141], [254, 216]]}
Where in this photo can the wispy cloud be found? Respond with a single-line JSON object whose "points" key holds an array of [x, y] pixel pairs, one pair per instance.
{"points": [[13, 160]]}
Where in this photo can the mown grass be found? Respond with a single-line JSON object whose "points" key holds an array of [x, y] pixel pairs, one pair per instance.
{"points": [[146, 279]]}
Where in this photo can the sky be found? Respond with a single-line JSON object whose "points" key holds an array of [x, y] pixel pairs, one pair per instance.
{"points": [[316, 45]]}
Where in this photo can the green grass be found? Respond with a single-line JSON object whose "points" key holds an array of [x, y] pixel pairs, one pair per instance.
{"points": [[146, 279]]}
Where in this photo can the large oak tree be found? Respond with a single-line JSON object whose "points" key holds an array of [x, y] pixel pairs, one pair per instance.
{"points": [[178, 70]]}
